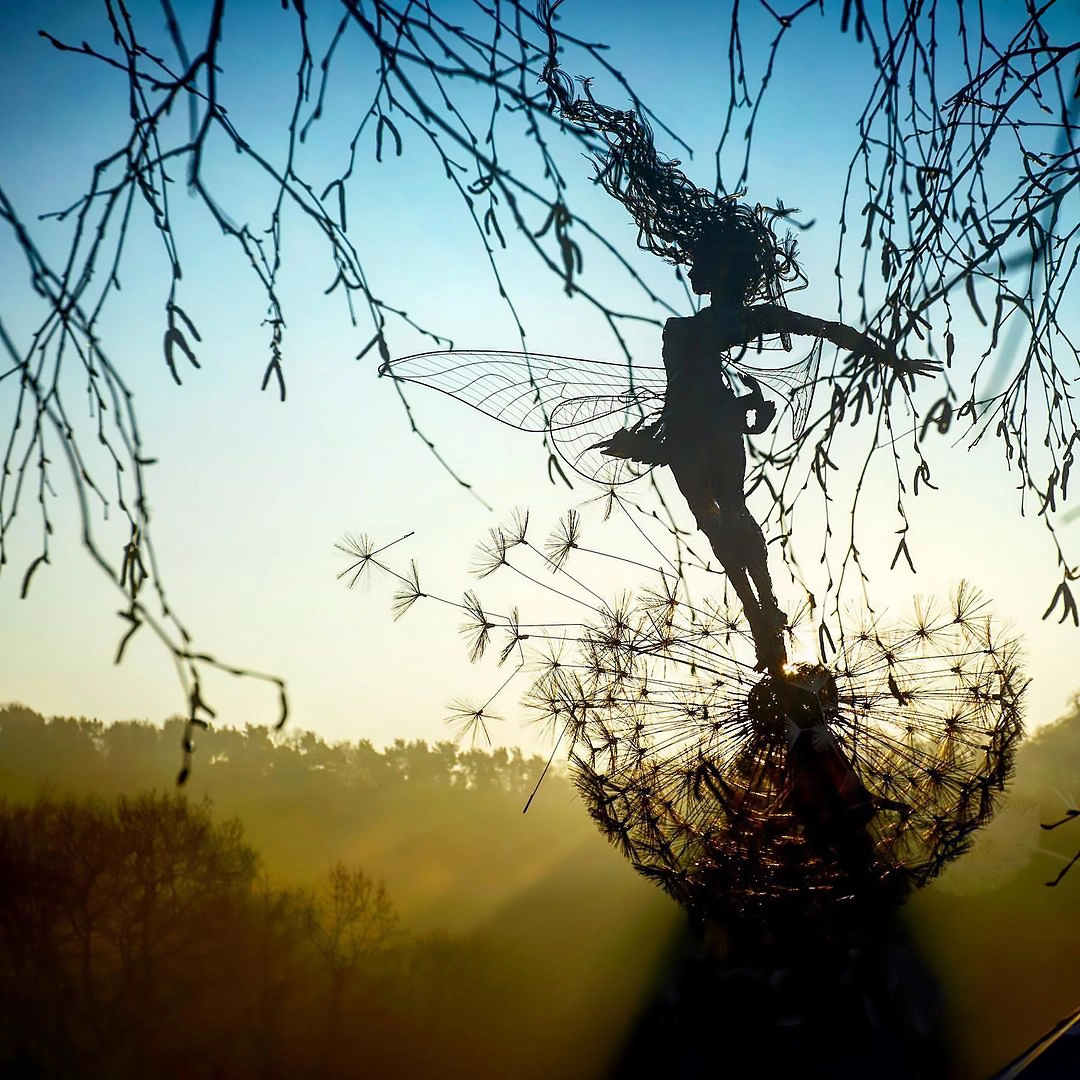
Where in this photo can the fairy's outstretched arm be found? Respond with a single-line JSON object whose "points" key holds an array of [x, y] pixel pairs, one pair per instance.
{"points": [[774, 319]]}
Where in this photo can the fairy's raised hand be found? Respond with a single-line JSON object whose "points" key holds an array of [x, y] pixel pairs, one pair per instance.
{"points": [[916, 367]]}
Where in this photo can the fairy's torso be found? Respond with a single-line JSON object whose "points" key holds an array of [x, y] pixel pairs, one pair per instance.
{"points": [[701, 427], [700, 402]]}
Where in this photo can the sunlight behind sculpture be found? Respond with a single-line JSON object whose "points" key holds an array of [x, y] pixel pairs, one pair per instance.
{"points": [[742, 794]]}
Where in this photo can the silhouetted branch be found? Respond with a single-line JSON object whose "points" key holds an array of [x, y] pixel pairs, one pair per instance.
{"points": [[1069, 816], [961, 171], [426, 66]]}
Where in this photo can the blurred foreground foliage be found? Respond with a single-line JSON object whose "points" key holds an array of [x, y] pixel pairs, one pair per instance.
{"points": [[391, 912]]}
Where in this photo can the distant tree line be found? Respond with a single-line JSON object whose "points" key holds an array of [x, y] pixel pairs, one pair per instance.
{"points": [[91, 755], [414, 812]]}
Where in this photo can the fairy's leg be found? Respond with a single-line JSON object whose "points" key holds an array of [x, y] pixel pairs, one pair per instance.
{"points": [[744, 546], [737, 542], [754, 555]]}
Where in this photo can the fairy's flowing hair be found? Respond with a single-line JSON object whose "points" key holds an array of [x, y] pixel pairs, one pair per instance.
{"points": [[676, 219]]}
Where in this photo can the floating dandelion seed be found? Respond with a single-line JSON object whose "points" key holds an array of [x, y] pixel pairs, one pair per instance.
{"points": [[563, 540], [662, 603], [362, 550], [516, 531], [489, 555], [471, 720], [515, 637], [477, 628], [408, 593]]}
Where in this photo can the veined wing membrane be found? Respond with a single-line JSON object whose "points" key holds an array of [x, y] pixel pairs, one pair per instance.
{"points": [[578, 425], [579, 402], [524, 389]]}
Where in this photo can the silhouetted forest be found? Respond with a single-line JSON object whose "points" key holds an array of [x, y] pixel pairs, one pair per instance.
{"points": [[153, 934], [307, 909]]}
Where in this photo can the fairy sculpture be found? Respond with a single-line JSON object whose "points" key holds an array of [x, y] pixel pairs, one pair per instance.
{"points": [[735, 257], [740, 790]]}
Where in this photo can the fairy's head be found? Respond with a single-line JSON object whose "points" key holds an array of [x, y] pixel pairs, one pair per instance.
{"points": [[736, 256], [732, 247]]}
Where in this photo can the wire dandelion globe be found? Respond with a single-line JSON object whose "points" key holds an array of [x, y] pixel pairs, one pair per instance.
{"points": [[745, 795]]}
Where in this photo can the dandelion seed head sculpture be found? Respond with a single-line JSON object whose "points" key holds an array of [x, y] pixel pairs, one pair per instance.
{"points": [[829, 787], [756, 795]]}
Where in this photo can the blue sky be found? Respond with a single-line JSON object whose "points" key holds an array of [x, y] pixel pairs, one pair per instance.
{"points": [[250, 495]]}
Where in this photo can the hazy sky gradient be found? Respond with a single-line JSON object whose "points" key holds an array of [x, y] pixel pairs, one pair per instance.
{"points": [[250, 495]]}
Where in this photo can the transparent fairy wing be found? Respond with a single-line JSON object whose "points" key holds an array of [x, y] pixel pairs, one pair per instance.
{"points": [[524, 389], [793, 384], [580, 402], [579, 425]]}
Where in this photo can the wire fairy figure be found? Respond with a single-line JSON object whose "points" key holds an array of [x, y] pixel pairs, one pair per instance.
{"points": [[735, 258], [691, 419], [779, 785]]}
